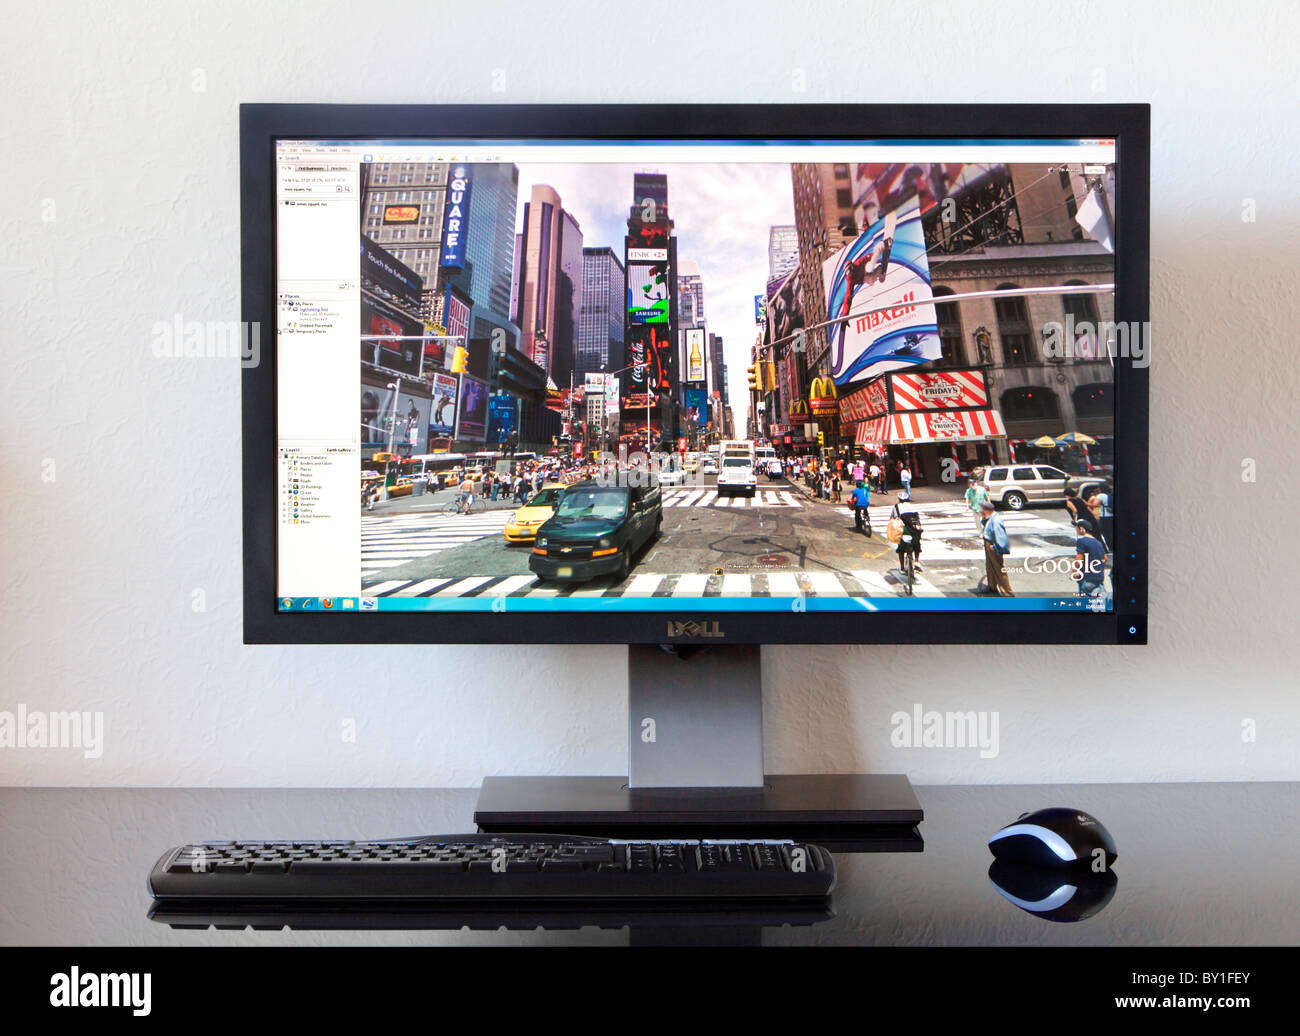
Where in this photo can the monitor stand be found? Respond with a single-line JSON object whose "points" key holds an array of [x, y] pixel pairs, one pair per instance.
{"points": [[695, 757]]}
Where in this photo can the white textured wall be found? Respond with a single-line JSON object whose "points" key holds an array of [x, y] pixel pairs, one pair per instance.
{"points": [[101, 121]]}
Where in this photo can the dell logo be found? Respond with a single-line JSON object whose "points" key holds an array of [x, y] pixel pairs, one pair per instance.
{"points": [[691, 628]]}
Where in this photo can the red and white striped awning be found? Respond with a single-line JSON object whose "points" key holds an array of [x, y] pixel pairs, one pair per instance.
{"points": [[872, 434], [931, 426]]}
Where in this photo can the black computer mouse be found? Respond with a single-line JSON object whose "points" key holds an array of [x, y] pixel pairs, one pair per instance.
{"points": [[1055, 894], [1055, 837]]}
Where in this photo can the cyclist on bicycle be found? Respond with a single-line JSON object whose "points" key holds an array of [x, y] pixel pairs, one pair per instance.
{"points": [[466, 498], [910, 540]]}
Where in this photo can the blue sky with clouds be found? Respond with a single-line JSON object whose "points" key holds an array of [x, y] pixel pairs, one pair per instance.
{"points": [[721, 216]]}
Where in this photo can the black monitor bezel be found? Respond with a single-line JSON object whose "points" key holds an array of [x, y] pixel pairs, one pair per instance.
{"points": [[262, 124]]}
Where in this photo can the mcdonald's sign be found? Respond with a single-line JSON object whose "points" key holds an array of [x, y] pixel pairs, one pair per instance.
{"points": [[823, 397], [798, 408]]}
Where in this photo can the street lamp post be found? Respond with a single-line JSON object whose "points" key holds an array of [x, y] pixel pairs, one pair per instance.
{"points": [[396, 386]]}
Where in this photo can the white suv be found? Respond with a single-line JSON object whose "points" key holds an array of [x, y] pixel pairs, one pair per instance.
{"points": [[1016, 485]]}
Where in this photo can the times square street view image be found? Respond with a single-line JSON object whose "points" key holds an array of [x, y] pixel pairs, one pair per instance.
{"points": [[609, 374]]}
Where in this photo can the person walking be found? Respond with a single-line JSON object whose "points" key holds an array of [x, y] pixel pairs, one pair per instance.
{"points": [[1096, 502], [976, 494], [836, 486], [874, 471], [997, 545], [905, 477], [1079, 512], [1089, 561], [861, 500]]}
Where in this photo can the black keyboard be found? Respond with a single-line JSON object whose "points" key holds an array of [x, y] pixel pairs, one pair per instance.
{"points": [[496, 868]]}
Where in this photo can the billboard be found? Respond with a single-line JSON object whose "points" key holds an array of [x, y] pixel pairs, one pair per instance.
{"points": [[650, 347], [939, 390], [869, 402], [404, 425], [502, 412], [696, 401], [647, 293], [883, 187], [884, 276], [471, 410], [455, 218], [442, 418], [695, 354], [390, 305], [784, 316], [456, 315], [401, 214], [541, 353]]}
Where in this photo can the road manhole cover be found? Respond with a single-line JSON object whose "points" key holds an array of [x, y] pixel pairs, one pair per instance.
{"points": [[774, 560]]}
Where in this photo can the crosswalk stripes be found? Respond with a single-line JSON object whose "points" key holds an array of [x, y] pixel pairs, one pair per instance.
{"points": [[855, 583], [692, 584], [710, 498], [424, 587], [736, 584], [389, 541], [950, 532], [783, 584]]}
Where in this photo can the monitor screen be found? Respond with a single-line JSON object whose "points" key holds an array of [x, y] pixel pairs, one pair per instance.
{"points": [[721, 375], [717, 374]]}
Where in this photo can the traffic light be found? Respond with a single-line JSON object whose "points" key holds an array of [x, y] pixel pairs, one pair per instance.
{"points": [[459, 360], [769, 376], [821, 438], [754, 376]]}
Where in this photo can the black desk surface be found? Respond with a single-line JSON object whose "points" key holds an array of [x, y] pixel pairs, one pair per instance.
{"points": [[1199, 864]]}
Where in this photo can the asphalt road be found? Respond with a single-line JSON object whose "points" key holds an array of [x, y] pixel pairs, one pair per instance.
{"points": [[779, 543]]}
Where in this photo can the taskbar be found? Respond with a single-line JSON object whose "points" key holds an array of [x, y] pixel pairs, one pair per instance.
{"points": [[501, 603]]}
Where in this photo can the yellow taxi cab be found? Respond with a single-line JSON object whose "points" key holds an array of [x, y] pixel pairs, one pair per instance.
{"points": [[692, 464], [523, 524]]}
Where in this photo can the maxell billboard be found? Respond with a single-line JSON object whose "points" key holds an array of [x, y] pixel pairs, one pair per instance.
{"points": [[881, 283]]}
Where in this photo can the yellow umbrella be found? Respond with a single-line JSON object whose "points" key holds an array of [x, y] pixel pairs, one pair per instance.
{"points": [[1077, 437], [1045, 441]]}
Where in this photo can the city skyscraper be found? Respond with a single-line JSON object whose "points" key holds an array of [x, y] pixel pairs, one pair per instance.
{"points": [[690, 294], [651, 317], [549, 290], [600, 323], [649, 198], [782, 251], [824, 223], [487, 271], [402, 209]]}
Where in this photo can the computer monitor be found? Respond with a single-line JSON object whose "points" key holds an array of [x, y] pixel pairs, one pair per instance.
{"points": [[699, 378]]}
